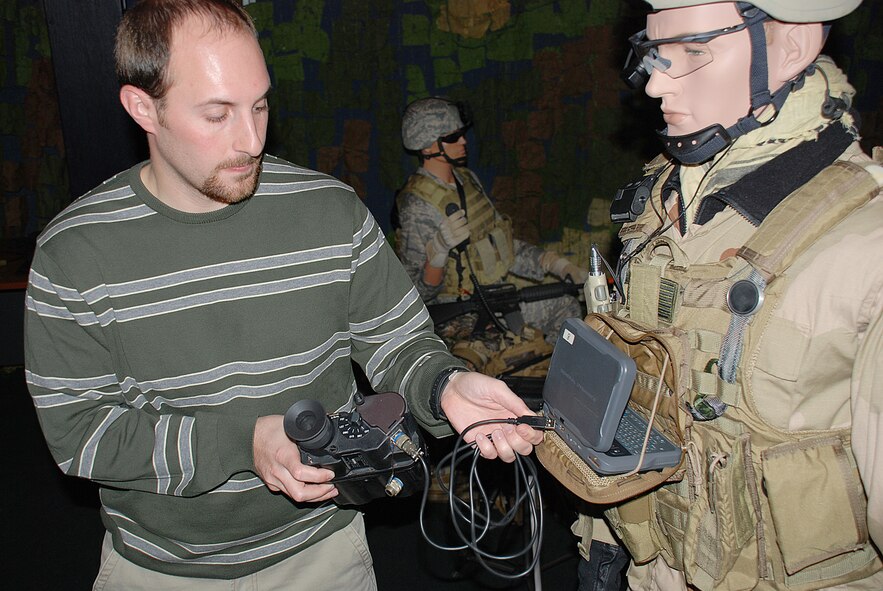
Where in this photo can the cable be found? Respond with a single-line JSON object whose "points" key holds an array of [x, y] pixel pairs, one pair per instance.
{"points": [[626, 257], [472, 517]]}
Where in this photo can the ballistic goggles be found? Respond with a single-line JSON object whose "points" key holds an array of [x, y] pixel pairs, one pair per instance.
{"points": [[454, 137], [676, 56]]}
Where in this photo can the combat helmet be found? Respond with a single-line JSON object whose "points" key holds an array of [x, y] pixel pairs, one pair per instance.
{"points": [[787, 11], [431, 120]]}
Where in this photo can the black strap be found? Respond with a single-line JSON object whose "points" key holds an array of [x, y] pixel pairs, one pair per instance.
{"points": [[457, 253]]}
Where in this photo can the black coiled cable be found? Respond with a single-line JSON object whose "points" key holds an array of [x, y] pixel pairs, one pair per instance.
{"points": [[472, 517]]}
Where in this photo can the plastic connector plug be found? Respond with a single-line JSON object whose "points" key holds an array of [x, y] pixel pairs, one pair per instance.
{"points": [[537, 422]]}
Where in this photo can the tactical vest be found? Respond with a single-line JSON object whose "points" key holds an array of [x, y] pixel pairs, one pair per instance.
{"points": [[490, 248], [741, 510], [734, 514]]}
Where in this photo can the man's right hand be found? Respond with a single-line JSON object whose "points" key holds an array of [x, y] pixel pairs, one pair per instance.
{"points": [[453, 230], [277, 461]]}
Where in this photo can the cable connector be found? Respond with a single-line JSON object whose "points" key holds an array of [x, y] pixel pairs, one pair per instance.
{"points": [[537, 422], [404, 443]]}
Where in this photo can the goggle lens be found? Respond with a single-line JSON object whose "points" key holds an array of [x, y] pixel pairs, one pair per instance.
{"points": [[676, 56], [452, 138]]}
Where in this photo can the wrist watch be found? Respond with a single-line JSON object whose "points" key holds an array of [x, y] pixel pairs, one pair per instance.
{"points": [[438, 386]]}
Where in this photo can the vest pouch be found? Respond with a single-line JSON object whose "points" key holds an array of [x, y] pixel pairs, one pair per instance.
{"points": [[722, 521], [830, 508], [631, 522], [651, 350]]}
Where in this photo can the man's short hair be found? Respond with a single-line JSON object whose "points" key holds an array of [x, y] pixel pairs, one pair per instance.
{"points": [[144, 37]]}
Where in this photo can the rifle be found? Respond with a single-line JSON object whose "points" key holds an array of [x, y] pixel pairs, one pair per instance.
{"points": [[499, 299]]}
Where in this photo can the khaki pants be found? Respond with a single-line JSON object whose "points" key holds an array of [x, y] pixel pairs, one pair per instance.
{"points": [[341, 561]]}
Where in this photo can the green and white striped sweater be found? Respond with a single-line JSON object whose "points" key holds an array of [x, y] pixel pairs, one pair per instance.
{"points": [[155, 338]]}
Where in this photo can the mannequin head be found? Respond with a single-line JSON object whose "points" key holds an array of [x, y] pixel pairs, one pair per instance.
{"points": [[700, 59], [718, 90], [435, 129]]}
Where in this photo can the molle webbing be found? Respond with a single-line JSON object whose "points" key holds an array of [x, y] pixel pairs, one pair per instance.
{"points": [[734, 518], [805, 216], [490, 247]]}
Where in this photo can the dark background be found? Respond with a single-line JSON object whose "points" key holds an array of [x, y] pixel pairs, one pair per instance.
{"points": [[556, 133]]}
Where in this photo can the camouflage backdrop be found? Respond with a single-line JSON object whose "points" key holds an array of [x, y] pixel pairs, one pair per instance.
{"points": [[556, 131]]}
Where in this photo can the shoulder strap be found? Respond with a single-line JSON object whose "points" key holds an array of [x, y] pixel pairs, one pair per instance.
{"points": [[806, 215]]}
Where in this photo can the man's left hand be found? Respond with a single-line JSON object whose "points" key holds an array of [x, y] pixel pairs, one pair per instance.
{"points": [[470, 397]]}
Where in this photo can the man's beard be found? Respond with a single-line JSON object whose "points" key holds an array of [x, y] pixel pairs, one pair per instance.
{"points": [[241, 189]]}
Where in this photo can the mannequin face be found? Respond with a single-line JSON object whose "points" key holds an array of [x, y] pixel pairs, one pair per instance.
{"points": [[716, 92], [455, 149]]}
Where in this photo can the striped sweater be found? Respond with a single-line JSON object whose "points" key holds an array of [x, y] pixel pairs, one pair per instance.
{"points": [[155, 338]]}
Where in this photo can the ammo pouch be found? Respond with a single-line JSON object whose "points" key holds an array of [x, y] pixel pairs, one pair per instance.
{"points": [[658, 354]]}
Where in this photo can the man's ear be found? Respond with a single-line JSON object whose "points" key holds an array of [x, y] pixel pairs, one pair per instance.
{"points": [[791, 47], [140, 106]]}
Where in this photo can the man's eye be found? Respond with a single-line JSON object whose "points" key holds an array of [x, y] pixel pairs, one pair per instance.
{"points": [[216, 118], [695, 51]]}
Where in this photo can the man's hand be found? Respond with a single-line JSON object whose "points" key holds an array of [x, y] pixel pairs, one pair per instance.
{"points": [[453, 230], [470, 397], [277, 461]]}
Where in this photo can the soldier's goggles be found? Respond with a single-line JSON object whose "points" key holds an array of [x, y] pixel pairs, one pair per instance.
{"points": [[676, 56], [453, 138]]}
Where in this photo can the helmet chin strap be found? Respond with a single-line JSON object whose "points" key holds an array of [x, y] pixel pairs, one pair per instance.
{"points": [[702, 145], [441, 152]]}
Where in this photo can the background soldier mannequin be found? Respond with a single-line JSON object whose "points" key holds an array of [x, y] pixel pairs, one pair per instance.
{"points": [[429, 237], [782, 484]]}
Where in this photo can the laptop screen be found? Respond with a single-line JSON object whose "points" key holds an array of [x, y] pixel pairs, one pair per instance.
{"points": [[588, 385]]}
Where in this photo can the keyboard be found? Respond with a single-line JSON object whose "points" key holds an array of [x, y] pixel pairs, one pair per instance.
{"points": [[629, 437]]}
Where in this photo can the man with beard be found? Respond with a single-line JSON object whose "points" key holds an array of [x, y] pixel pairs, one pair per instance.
{"points": [[450, 230], [175, 312]]}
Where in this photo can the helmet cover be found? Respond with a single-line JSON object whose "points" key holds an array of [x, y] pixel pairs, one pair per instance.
{"points": [[426, 120], [788, 11]]}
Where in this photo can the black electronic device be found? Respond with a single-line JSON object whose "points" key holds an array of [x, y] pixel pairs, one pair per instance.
{"points": [[587, 391], [630, 200], [373, 449]]}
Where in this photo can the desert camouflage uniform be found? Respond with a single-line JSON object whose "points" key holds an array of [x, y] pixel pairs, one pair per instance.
{"points": [[817, 366]]}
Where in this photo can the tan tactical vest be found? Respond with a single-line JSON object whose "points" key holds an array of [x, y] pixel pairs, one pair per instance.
{"points": [[740, 512], [734, 513], [490, 248]]}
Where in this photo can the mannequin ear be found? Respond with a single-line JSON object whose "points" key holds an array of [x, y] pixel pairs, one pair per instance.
{"points": [[791, 48], [140, 106]]}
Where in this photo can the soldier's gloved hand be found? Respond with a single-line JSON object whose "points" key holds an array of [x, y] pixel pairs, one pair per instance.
{"points": [[562, 268], [453, 230]]}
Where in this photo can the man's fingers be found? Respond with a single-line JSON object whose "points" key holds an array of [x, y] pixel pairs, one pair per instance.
{"points": [[304, 492], [500, 438], [529, 434], [485, 446]]}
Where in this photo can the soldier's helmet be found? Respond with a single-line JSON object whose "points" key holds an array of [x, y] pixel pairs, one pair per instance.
{"points": [[789, 11], [428, 119]]}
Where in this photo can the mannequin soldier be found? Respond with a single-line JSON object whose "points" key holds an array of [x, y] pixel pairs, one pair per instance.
{"points": [[443, 205], [765, 224]]}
